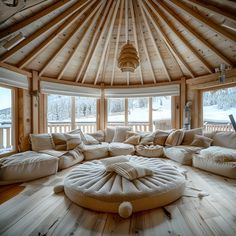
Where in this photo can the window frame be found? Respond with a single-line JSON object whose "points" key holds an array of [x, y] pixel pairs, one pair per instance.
{"points": [[14, 118]]}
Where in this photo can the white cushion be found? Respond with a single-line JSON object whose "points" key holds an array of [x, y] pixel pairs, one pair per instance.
{"points": [[181, 154], [189, 135], [227, 169], [91, 187], [224, 139], [41, 142], [26, 166], [96, 151], [98, 135], [109, 134], [150, 151], [175, 138], [120, 133], [116, 149]]}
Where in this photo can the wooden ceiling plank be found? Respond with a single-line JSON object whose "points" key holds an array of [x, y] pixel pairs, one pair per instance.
{"points": [[144, 43], [117, 42], [136, 38], [20, 25], [213, 9], [155, 9], [105, 63], [108, 38], [154, 43], [36, 51], [92, 44], [193, 32], [66, 14], [171, 47], [83, 23], [206, 21]]}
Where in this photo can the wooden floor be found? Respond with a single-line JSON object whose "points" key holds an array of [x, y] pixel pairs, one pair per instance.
{"points": [[38, 211]]}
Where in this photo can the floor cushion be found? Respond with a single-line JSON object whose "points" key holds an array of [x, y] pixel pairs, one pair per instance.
{"points": [[227, 169], [150, 151], [182, 154], [27, 166], [90, 186], [117, 149], [95, 151]]}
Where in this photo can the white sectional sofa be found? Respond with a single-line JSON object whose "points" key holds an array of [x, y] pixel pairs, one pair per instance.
{"points": [[214, 152]]}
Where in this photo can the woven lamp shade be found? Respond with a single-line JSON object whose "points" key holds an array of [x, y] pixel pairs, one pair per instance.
{"points": [[128, 59]]}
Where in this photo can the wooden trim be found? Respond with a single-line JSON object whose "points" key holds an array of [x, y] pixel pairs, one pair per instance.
{"points": [[150, 119], [213, 9], [103, 109], [207, 66], [117, 42], [154, 42], [79, 26], [73, 118], [206, 21], [135, 38], [144, 44], [153, 19], [35, 103], [108, 38], [20, 25], [67, 23], [183, 95], [126, 111], [92, 45], [206, 43], [15, 69], [66, 14]]}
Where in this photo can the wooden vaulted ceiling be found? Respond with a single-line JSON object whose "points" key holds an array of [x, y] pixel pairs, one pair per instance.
{"points": [[80, 40]]}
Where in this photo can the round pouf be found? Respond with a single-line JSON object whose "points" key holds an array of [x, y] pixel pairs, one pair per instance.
{"points": [[90, 186]]}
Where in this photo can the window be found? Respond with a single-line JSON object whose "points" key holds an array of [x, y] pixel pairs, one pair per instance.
{"points": [[140, 113], [7, 141], [161, 112], [116, 111], [217, 106], [66, 113]]}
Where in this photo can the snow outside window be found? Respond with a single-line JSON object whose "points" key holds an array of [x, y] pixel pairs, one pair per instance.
{"points": [[116, 111], [217, 106]]}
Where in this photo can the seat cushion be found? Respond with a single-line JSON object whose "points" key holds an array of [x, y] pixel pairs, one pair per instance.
{"points": [[27, 166], [181, 154], [116, 149], [227, 169], [149, 151], [96, 151]]}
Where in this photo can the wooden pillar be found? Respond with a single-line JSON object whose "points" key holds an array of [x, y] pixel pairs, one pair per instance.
{"points": [[35, 102], [73, 123], [126, 111], [182, 101], [150, 114], [102, 112]]}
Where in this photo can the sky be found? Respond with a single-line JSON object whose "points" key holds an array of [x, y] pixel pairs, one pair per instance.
{"points": [[5, 98]]}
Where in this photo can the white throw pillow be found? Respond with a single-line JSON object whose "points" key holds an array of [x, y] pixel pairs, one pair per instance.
{"points": [[120, 133], [41, 142]]}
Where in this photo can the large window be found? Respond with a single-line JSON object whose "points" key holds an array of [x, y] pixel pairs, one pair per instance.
{"points": [[116, 111], [141, 113], [7, 142], [217, 106], [66, 113]]}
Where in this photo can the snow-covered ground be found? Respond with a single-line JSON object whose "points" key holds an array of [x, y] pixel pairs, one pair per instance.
{"points": [[212, 113]]}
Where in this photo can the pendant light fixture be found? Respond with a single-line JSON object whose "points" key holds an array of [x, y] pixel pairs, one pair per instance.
{"points": [[128, 59]]}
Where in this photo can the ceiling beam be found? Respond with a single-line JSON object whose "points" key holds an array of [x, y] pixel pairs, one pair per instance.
{"points": [[154, 43], [108, 38], [92, 44], [206, 21], [196, 34], [20, 25], [155, 9], [213, 9], [105, 63], [136, 39], [117, 42], [144, 42], [171, 47], [87, 28], [66, 14], [66, 24]]}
